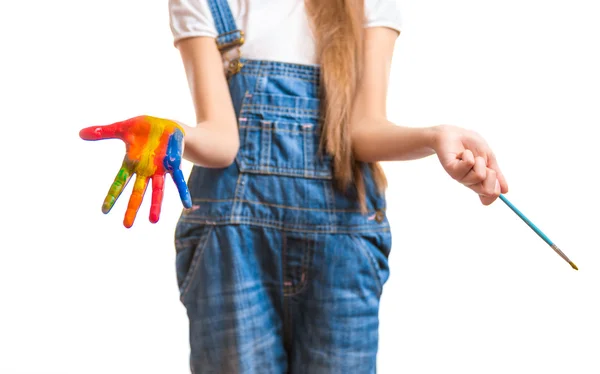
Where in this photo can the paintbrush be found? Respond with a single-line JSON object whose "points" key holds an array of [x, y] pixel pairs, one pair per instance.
{"points": [[538, 231]]}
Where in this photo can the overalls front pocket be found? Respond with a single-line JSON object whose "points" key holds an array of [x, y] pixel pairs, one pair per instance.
{"points": [[279, 136]]}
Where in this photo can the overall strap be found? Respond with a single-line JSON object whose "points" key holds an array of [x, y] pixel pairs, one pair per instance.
{"points": [[230, 37]]}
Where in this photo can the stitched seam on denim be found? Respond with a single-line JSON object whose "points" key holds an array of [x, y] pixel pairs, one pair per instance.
{"points": [[308, 227], [307, 255], [243, 134], [287, 67], [247, 95], [279, 225], [294, 277], [249, 72], [215, 13], [284, 266], [307, 150], [259, 75], [288, 172], [291, 168], [199, 250], [282, 109], [287, 109], [237, 198], [316, 174], [330, 203], [272, 96], [290, 324], [277, 65], [284, 74], [179, 243], [258, 82], [287, 313], [265, 147], [277, 129], [295, 132], [329, 224], [295, 289], [372, 262], [331, 210], [228, 19], [271, 135], [279, 111], [287, 325], [284, 69], [254, 72]]}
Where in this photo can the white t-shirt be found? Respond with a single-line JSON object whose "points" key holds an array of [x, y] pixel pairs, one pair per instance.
{"points": [[276, 30]]}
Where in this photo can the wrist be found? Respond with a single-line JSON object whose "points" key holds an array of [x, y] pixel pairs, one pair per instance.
{"points": [[432, 137]]}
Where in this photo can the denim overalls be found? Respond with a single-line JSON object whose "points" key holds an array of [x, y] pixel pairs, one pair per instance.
{"points": [[279, 271]]}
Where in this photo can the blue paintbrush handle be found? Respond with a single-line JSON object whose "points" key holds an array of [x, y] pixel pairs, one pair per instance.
{"points": [[527, 221], [537, 231]]}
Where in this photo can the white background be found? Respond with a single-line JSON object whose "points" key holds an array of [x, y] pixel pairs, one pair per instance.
{"points": [[472, 288]]}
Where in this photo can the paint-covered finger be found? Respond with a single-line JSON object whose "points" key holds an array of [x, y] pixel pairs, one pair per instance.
{"points": [[113, 131], [121, 180], [137, 195], [158, 188], [172, 160], [184, 192]]}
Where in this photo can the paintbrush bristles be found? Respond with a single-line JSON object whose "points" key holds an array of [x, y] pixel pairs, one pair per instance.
{"points": [[561, 254]]}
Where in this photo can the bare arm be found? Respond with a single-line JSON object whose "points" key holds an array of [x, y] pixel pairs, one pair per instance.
{"points": [[464, 154], [214, 141], [374, 138]]}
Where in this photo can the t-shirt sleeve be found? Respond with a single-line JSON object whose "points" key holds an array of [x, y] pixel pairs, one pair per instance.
{"points": [[190, 18], [383, 13]]}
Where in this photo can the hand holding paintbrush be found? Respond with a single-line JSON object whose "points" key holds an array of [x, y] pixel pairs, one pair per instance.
{"points": [[468, 159]]}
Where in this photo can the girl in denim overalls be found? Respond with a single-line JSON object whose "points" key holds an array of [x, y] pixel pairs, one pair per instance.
{"points": [[282, 260]]}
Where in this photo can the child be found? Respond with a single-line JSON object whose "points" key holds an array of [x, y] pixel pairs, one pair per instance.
{"points": [[282, 261]]}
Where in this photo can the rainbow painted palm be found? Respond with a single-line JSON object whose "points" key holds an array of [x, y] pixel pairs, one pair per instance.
{"points": [[154, 147]]}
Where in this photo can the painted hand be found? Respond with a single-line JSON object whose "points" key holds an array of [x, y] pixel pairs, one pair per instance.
{"points": [[154, 147]]}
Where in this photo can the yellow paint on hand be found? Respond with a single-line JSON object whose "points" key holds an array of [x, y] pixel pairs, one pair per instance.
{"points": [[147, 168]]}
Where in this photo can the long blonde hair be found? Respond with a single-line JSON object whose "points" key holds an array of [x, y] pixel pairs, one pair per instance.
{"points": [[338, 26]]}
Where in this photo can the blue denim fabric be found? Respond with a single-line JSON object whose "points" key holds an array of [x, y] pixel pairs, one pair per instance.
{"points": [[279, 271]]}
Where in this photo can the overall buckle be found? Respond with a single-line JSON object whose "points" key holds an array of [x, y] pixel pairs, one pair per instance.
{"points": [[230, 50]]}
